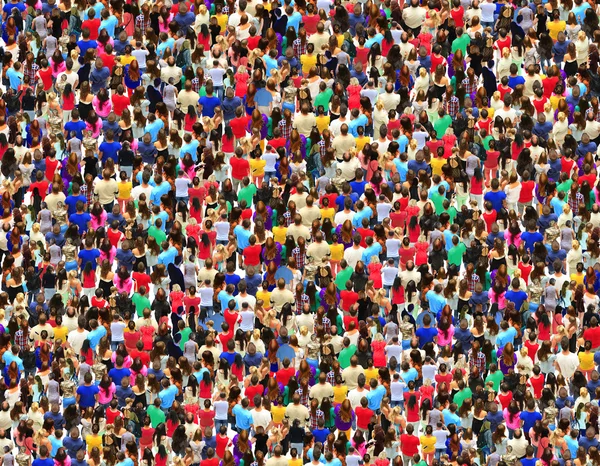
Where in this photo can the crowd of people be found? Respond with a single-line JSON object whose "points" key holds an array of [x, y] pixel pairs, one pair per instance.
{"points": [[278, 233]]}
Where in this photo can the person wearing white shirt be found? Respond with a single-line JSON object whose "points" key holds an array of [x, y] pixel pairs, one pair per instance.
{"points": [[354, 254]]}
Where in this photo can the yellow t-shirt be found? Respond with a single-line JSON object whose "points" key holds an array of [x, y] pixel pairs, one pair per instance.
{"points": [[296, 462], [340, 393], [586, 361], [328, 212], [125, 188], [436, 165], [361, 141], [61, 333], [555, 27], [578, 278], [308, 61], [427, 444], [279, 234], [337, 252], [257, 167], [126, 60], [266, 298], [222, 20], [278, 413], [372, 373], [554, 100], [93, 441], [323, 122]]}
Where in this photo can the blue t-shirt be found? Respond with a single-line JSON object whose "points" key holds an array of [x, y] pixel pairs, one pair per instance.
{"points": [[516, 297], [208, 105], [77, 126], [375, 396], [89, 255], [168, 257], [117, 374], [243, 236], [507, 336], [87, 395], [529, 419], [530, 238], [110, 150], [81, 220], [109, 24], [496, 198], [167, 396], [425, 335], [71, 203], [243, 417]]}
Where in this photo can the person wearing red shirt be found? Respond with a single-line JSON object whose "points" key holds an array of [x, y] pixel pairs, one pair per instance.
{"points": [[141, 278], [443, 377], [240, 168], [139, 352], [239, 124], [286, 373], [363, 415], [348, 297], [409, 444], [223, 441], [532, 346], [92, 24], [120, 101], [207, 415], [254, 389], [505, 396], [365, 232], [251, 254], [310, 20], [352, 317], [108, 58], [253, 41], [593, 333], [225, 335], [527, 193], [537, 382]]}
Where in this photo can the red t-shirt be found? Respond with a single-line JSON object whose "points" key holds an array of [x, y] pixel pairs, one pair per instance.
{"points": [[93, 25], [42, 187], [51, 168], [222, 443], [364, 233], [143, 355], [207, 418], [112, 415], [537, 383], [231, 318], [239, 168], [252, 391], [363, 417], [505, 399], [114, 237], [190, 301], [348, 319], [593, 334], [238, 126], [225, 337], [199, 192], [284, 375], [458, 16], [347, 298], [253, 42], [252, 255], [409, 445], [120, 103], [526, 192], [141, 279], [108, 60], [440, 379], [310, 23], [46, 77], [278, 142]]}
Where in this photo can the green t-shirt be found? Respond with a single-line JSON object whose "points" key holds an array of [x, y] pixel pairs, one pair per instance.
{"points": [[185, 336], [345, 356], [157, 234], [140, 302], [342, 277], [461, 43], [247, 194], [442, 125], [438, 202], [565, 186], [323, 99], [156, 416], [452, 213], [496, 378], [455, 254], [461, 396]]}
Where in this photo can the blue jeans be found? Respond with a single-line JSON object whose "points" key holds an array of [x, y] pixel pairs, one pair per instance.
{"points": [[268, 176], [208, 310], [184, 199], [439, 452], [218, 424]]}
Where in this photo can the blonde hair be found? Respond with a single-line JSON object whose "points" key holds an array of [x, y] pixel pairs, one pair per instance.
{"points": [[561, 116]]}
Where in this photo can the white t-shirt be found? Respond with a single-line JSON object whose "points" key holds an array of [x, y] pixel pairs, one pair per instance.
{"points": [[117, 330], [487, 12], [216, 74], [388, 275], [383, 210], [261, 418], [221, 408], [271, 159], [393, 246], [568, 364], [247, 323], [397, 389], [222, 229], [352, 256], [140, 55], [181, 187], [206, 296], [76, 340]]}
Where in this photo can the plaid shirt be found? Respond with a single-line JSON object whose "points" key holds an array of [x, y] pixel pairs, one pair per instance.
{"points": [[326, 325], [31, 72], [299, 49], [300, 257], [477, 361], [21, 338], [196, 85], [286, 130], [314, 418], [331, 377], [574, 203], [304, 299], [87, 193], [451, 106], [596, 115], [287, 216], [303, 397], [143, 25], [469, 88], [474, 280]]}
